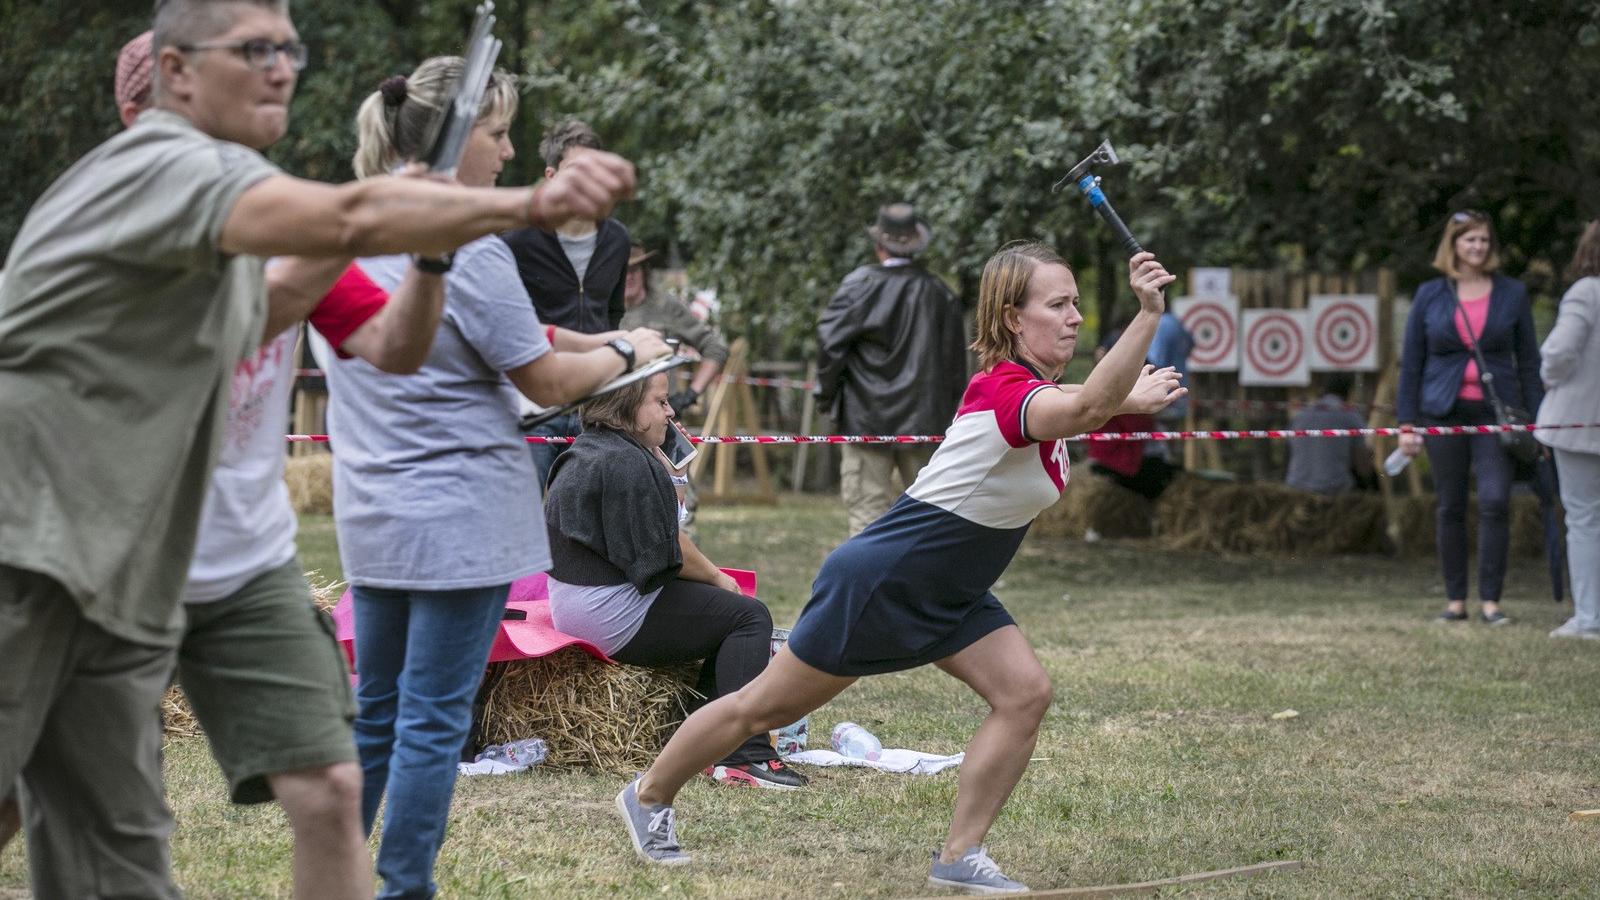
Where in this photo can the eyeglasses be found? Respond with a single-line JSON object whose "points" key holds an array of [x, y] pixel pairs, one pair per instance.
{"points": [[259, 53], [1469, 215]]}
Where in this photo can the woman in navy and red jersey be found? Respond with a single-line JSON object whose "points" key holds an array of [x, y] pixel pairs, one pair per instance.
{"points": [[914, 587]]}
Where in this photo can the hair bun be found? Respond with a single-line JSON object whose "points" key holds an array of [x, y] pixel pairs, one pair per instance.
{"points": [[393, 90]]}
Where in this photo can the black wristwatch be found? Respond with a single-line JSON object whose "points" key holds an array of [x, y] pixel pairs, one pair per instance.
{"points": [[624, 350], [434, 265]]}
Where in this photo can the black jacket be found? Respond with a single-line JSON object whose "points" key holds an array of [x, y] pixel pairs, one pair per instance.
{"points": [[893, 356], [591, 307], [612, 514]]}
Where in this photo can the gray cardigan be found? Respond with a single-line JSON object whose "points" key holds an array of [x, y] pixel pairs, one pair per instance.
{"points": [[1571, 370], [612, 514]]}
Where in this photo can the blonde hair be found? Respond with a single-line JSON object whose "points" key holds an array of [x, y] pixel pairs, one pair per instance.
{"points": [[1004, 287], [395, 121], [1444, 258]]}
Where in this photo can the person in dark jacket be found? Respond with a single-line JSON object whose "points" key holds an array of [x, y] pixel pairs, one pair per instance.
{"points": [[892, 360], [625, 578], [574, 275], [1440, 385]]}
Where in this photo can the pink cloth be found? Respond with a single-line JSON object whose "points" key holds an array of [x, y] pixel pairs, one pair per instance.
{"points": [[1477, 312], [527, 638]]}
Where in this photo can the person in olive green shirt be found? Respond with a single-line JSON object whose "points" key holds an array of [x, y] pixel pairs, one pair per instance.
{"points": [[648, 308], [133, 287]]}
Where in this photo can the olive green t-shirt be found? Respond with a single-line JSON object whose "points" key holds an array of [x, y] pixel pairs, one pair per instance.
{"points": [[120, 325]]}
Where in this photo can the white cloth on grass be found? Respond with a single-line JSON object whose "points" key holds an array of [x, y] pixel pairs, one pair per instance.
{"points": [[901, 762]]}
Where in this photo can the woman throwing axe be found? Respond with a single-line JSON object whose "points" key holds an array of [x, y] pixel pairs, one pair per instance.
{"points": [[914, 587]]}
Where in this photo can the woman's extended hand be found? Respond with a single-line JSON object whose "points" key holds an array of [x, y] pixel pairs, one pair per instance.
{"points": [[1410, 443], [726, 582], [1147, 277], [1155, 390]]}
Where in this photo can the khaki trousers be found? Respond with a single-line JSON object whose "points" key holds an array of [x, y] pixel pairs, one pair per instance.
{"points": [[866, 477], [80, 734]]}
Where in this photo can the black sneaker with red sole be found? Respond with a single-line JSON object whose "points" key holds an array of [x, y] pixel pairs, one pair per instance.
{"points": [[772, 775]]}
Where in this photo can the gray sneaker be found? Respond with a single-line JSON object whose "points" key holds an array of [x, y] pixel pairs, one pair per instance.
{"points": [[1571, 629], [974, 873], [651, 829]]}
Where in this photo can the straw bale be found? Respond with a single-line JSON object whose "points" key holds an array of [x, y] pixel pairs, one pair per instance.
{"points": [[310, 480], [1091, 501], [177, 719], [1222, 516], [591, 714]]}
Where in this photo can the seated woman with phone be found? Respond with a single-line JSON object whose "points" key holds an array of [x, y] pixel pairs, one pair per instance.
{"points": [[626, 579]]}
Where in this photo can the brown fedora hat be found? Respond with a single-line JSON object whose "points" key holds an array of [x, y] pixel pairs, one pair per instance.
{"points": [[637, 254], [899, 230]]}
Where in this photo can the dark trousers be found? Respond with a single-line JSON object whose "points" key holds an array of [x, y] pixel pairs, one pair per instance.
{"points": [[1455, 459], [733, 633], [544, 455], [1150, 482]]}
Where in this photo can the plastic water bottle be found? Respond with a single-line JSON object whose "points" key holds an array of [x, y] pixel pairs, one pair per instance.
{"points": [[523, 753], [1396, 463], [854, 742]]}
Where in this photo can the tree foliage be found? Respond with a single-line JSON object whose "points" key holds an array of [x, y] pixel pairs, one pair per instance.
{"points": [[1328, 133]]}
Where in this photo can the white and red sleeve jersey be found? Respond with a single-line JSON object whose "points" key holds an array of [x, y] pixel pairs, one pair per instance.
{"points": [[988, 471]]}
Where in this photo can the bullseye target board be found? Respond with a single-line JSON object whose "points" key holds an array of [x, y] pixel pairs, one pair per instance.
{"points": [[1213, 322], [1344, 332], [1272, 348]]}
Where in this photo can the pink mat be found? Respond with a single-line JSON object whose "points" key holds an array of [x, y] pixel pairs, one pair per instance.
{"points": [[528, 638]]}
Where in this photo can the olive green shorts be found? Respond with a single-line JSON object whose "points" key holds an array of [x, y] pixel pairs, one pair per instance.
{"points": [[268, 682]]}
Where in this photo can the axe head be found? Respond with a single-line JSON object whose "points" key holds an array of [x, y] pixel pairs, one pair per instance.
{"points": [[1104, 154]]}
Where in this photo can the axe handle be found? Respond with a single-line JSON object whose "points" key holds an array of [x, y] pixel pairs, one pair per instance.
{"points": [[1097, 199]]}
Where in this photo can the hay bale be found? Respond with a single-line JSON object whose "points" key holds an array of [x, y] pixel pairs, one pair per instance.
{"points": [[310, 480], [1220, 516], [1092, 501], [177, 719], [593, 715]]}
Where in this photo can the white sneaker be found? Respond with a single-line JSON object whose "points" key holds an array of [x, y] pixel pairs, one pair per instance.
{"points": [[1571, 629]]}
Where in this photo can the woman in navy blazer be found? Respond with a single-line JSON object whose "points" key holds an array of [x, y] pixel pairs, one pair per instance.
{"points": [[1440, 385]]}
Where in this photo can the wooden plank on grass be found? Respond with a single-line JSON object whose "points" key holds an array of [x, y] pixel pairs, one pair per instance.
{"points": [[1150, 887], [1585, 815]]}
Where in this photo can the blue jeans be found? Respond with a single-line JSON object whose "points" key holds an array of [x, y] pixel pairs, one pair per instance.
{"points": [[419, 658], [1456, 459], [544, 455]]}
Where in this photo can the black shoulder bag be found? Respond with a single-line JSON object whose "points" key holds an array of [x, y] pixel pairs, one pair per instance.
{"points": [[1521, 445]]}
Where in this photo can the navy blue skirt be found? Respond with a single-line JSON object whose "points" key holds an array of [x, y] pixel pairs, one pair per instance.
{"points": [[911, 589]]}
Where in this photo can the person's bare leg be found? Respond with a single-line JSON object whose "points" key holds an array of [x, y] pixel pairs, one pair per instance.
{"points": [[324, 809], [784, 691], [1004, 671]]}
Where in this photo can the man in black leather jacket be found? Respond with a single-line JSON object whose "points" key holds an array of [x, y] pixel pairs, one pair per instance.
{"points": [[575, 276], [892, 360]]}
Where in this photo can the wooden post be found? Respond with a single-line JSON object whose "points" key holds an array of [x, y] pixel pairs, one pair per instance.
{"points": [[734, 368], [808, 414]]}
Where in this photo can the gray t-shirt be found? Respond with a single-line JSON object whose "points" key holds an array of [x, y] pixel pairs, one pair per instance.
{"points": [[120, 324], [607, 615], [433, 485], [579, 251], [1323, 464]]}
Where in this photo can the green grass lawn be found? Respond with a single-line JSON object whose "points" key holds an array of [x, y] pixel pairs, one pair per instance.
{"points": [[1426, 760]]}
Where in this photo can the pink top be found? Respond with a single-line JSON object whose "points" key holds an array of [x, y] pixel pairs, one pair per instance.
{"points": [[1477, 312]]}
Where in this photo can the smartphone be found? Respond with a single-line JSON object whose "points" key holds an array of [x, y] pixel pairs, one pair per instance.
{"points": [[679, 450]]}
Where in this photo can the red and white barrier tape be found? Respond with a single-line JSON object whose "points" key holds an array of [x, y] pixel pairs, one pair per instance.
{"points": [[741, 379], [1242, 435]]}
